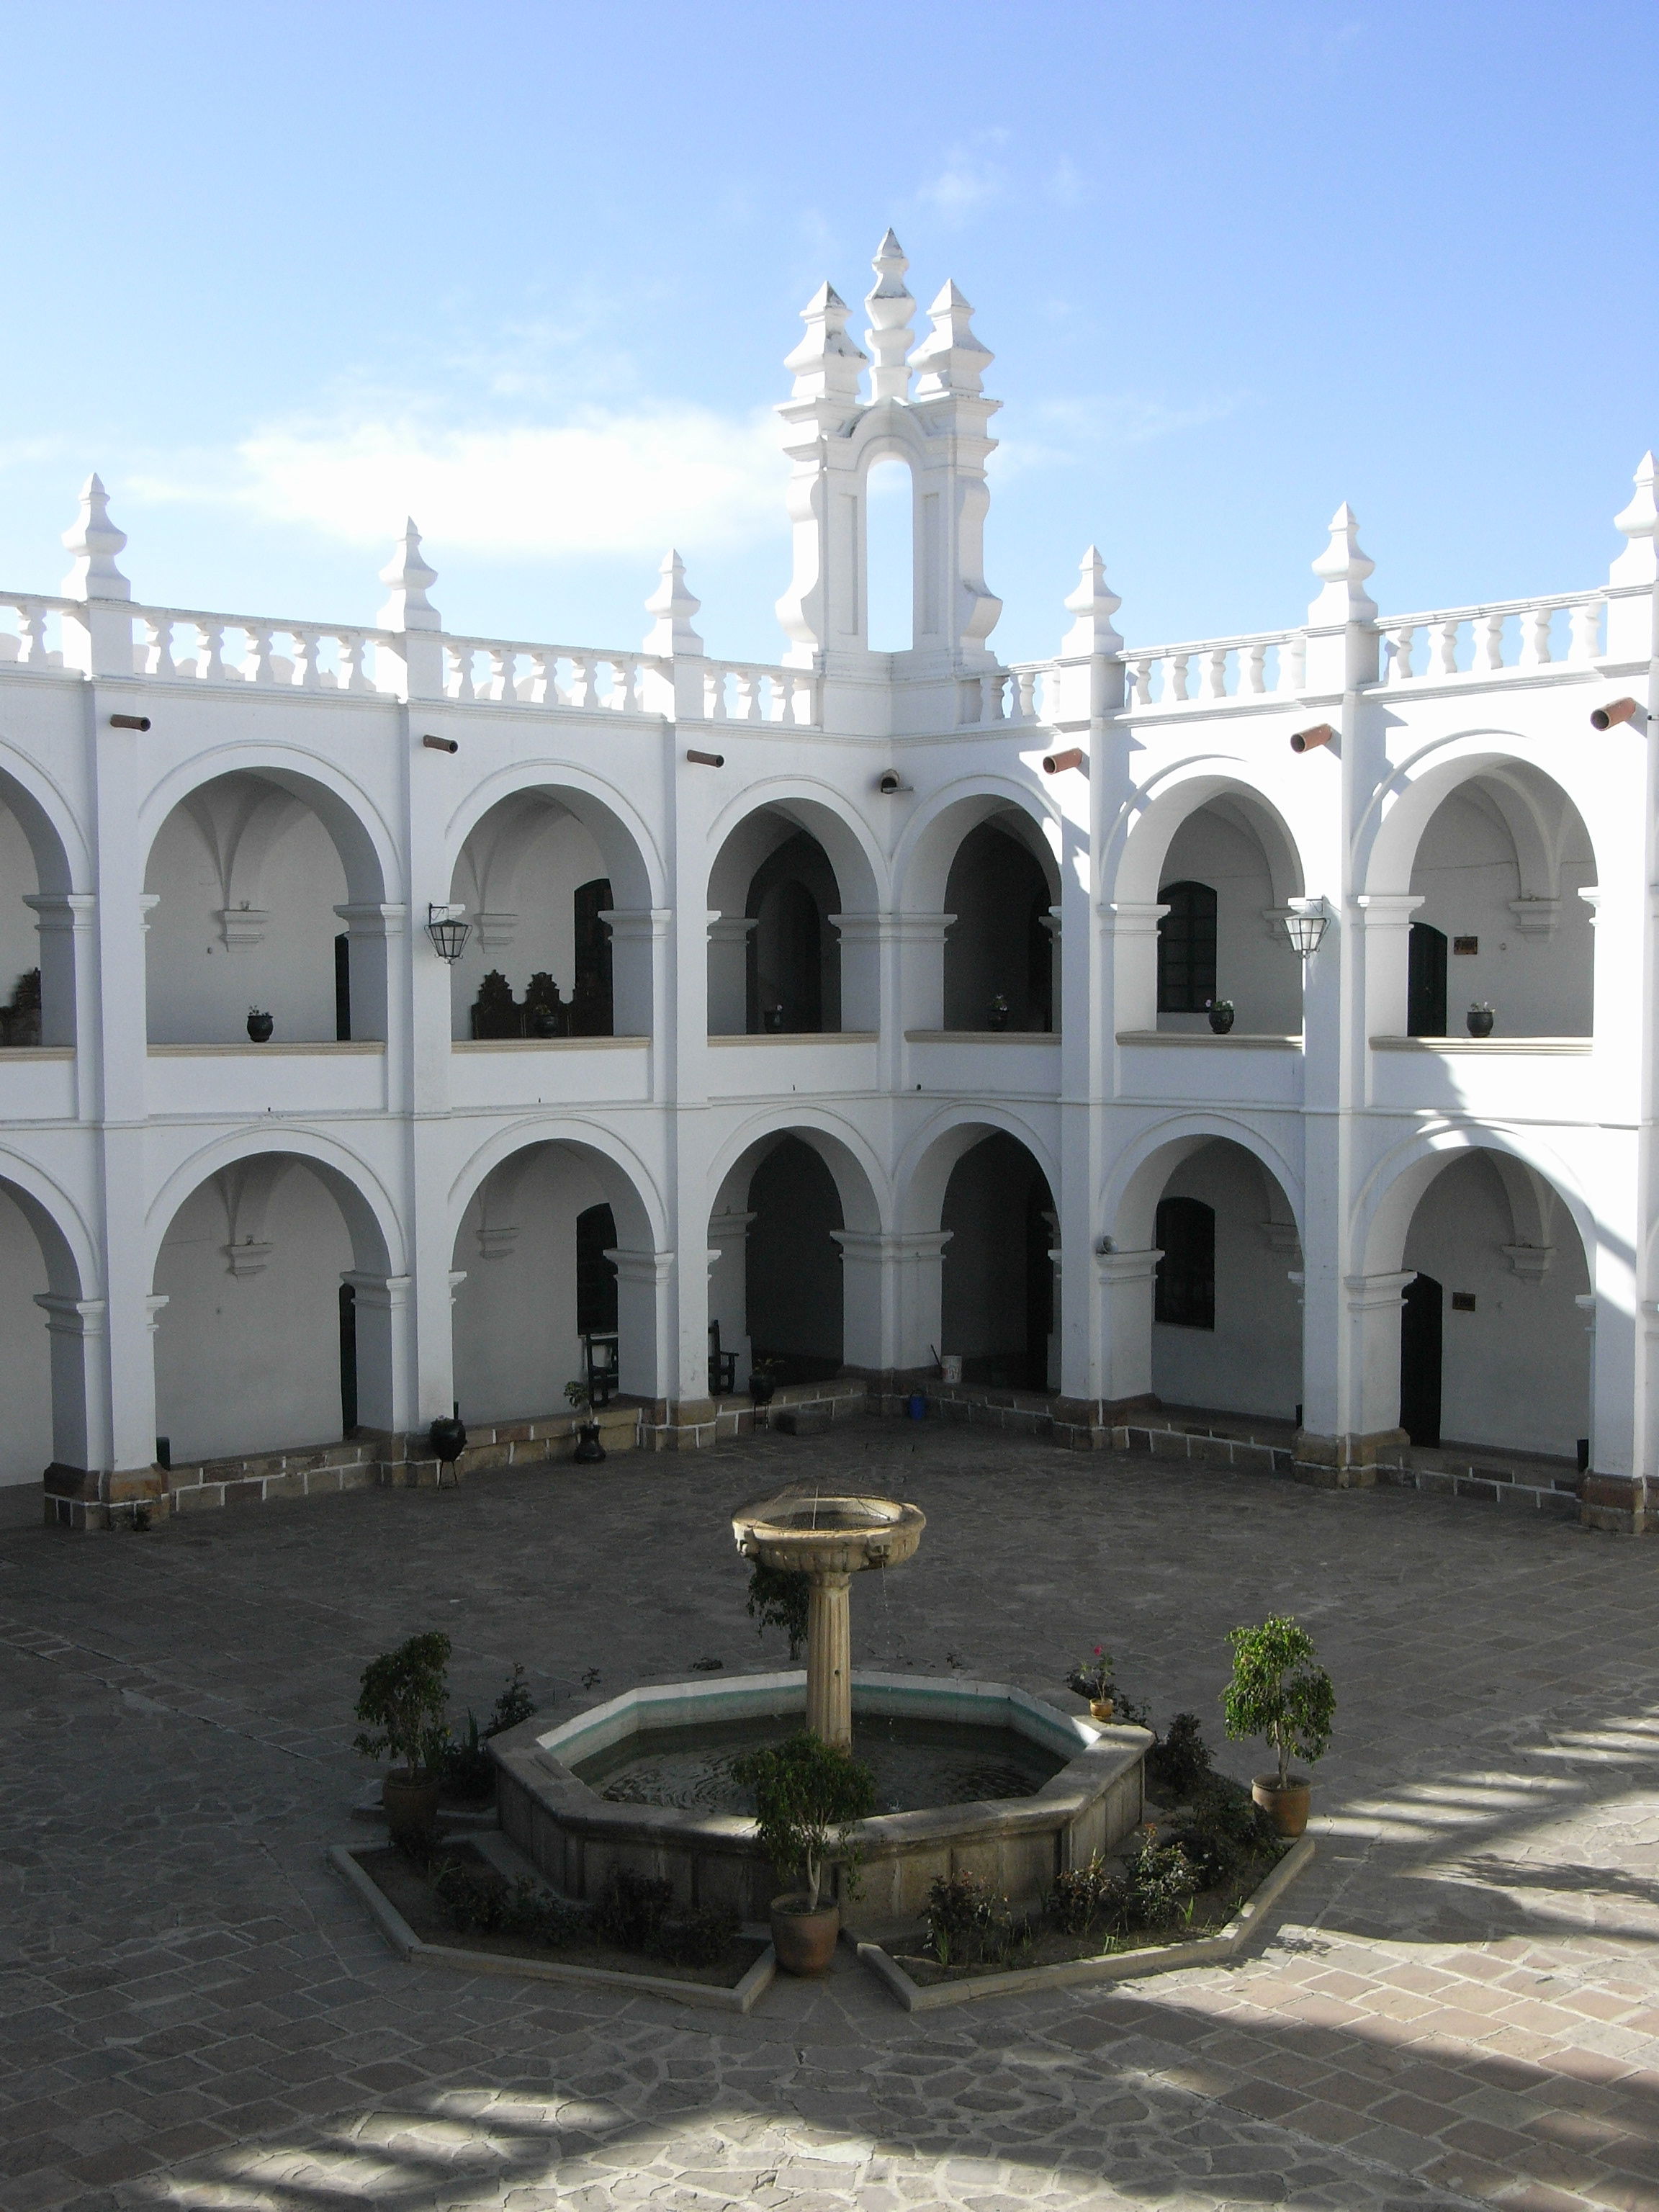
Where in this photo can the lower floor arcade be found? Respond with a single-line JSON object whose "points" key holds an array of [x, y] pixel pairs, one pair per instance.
{"points": [[281, 1317]]}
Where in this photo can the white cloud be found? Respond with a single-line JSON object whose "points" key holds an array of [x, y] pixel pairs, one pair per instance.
{"points": [[962, 188], [1065, 431], [600, 482]]}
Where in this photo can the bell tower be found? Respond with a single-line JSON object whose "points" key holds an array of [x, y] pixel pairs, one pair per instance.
{"points": [[926, 408]]}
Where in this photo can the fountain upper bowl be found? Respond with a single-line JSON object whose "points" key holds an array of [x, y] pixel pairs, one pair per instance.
{"points": [[839, 1532]]}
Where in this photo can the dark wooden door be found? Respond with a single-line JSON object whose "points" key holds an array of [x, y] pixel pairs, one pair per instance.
{"points": [[1419, 1358], [1425, 982]]}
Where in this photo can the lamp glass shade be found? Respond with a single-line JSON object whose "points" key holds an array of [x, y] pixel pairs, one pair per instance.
{"points": [[1305, 931]]}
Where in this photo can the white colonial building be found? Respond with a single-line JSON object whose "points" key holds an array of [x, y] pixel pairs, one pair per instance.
{"points": [[856, 1009]]}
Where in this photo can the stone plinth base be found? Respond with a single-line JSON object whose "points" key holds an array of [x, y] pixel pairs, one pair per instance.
{"points": [[1624, 1504], [1348, 1462]]}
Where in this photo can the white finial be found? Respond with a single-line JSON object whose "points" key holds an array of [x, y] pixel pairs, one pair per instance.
{"points": [[1094, 602], [1639, 562], [95, 541], [950, 361], [1343, 569], [409, 607], [888, 306], [673, 606], [826, 362]]}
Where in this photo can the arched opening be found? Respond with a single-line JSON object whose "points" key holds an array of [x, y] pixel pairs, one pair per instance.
{"points": [[1497, 869], [997, 1295], [794, 1303], [256, 1349], [794, 967], [1225, 879], [998, 951], [555, 1252], [1226, 1317], [37, 926], [27, 1444], [547, 877], [251, 876], [890, 556], [1495, 1349], [780, 885]]}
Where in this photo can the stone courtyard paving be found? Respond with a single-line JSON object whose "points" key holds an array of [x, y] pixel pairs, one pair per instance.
{"points": [[1459, 2002]]}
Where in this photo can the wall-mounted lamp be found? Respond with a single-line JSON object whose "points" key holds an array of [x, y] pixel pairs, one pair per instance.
{"points": [[448, 932], [440, 744], [1303, 741], [1617, 710], [1104, 1245], [1306, 924], [705, 760], [128, 721], [889, 782], [1053, 763]]}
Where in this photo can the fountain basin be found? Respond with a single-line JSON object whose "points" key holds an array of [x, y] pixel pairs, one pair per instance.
{"points": [[578, 1839]]}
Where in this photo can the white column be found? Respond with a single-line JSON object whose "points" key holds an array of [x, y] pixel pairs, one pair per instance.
{"points": [[386, 1396], [890, 1297], [375, 935], [80, 1382], [635, 934], [1362, 1393], [728, 973], [862, 936], [64, 925], [728, 1287], [1126, 1281], [645, 1324]]}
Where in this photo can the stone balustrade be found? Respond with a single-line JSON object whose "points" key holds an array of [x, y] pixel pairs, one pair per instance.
{"points": [[1506, 633], [36, 639], [1213, 672]]}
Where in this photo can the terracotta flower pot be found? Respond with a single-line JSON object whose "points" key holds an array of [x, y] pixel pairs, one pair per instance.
{"points": [[1287, 1808], [1102, 1708], [411, 1807], [804, 1938]]}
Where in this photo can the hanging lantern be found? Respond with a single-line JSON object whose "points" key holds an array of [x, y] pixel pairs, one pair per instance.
{"points": [[448, 932], [1305, 925]]}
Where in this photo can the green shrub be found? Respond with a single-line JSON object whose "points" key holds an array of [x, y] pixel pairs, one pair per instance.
{"points": [[469, 1770], [1181, 1763], [1277, 1691], [808, 1794], [778, 1598], [969, 1926], [404, 1697], [1080, 1898], [630, 1911], [1160, 1880]]}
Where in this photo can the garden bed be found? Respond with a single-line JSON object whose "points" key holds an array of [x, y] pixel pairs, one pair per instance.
{"points": [[404, 1899]]}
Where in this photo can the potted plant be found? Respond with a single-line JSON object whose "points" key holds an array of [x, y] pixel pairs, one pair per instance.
{"points": [[1277, 1691], [588, 1447], [545, 1012], [447, 1437], [402, 1700], [763, 1381], [997, 1013], [773, 1017], [260, 1026], [808, 1794], [1480, 1019], [1093, 1680], [1220, 1011]]}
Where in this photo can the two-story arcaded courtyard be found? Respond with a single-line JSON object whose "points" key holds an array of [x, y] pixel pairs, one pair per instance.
{"points": [[849, 1016]]}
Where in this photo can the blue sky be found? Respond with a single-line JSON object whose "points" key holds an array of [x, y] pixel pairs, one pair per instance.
{"points": [[530, 271]]}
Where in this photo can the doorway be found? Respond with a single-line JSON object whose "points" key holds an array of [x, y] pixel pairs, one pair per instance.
{"points": [[1425, 982], [1420, 1312]]}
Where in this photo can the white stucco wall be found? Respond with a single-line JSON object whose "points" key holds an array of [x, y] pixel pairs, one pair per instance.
{"points": [[25, 1356], [1251, 1362], [200, 988], [516, 1344], [247, 1364], [1515, 1371], [1465, 872], [1254, 966]]}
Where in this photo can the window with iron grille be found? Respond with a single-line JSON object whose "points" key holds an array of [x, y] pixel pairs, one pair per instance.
{"points": [[1185, 949], [1185, 1290]]}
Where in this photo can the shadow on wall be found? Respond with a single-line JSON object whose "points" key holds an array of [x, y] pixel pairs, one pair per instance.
{"points": [[1227, 1319], [794, 953], [794, 1276], [999, 947], [997, 1291]]}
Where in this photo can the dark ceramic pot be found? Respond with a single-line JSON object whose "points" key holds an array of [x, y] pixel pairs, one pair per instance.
{"points": [[996, 1018], [1481, 1020], [447, 1437], [1221, 1019], [410, 1805], [259, 1027], [761, 1388], [588, 1447], [543, 1022]]}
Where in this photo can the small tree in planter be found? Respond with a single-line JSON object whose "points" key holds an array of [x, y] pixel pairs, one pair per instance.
{"points": [[808, 1794], [403, 1699], [1279, 1692], [588, 1447]]}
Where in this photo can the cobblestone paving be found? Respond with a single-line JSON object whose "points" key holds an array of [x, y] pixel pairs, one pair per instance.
{"points": [[1458, 2004]]}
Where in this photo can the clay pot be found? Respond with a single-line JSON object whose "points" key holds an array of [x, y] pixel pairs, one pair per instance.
{"points": [[1221, 1019], [411, 1806], [588, 1447], [761, 1388], [996, 1018], [1102, 1708], [447, 1437], [804, 1939], [1287, 1808], [259, 1027], [1480, 1019]]}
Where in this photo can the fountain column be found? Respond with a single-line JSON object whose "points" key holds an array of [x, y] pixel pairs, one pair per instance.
{"points": [[830, 1658]]}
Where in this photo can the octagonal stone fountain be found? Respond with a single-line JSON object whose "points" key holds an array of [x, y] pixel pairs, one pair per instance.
{"points": [[979, 1776]]}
